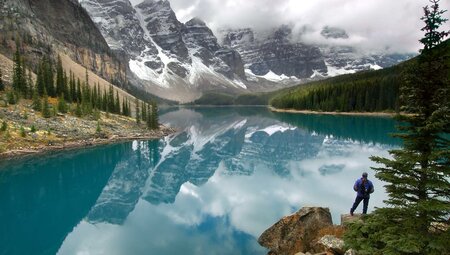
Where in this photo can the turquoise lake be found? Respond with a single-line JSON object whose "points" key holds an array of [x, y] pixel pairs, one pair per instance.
{"points": [[212, 188]]}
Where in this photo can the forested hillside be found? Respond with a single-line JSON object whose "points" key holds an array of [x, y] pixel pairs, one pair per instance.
{"points": [[369, 91]]}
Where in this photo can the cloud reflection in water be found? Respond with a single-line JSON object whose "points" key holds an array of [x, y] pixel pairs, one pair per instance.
{"points": [[220, 182]]}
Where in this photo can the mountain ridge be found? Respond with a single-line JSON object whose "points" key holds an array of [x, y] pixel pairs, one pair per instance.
{"points": [[183, 61]]}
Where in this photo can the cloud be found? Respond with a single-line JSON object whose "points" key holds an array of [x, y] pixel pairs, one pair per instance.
{"points": [[371, 24]]}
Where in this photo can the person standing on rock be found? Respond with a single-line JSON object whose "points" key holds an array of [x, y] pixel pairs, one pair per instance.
{"points": [[364, 188]]}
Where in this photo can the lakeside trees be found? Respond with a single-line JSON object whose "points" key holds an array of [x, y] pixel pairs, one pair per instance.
{"points": [[73, 95], [368, 91], [417, 177]]}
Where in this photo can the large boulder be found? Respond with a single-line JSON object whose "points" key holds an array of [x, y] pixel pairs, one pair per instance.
{"points": [[295, 233]]}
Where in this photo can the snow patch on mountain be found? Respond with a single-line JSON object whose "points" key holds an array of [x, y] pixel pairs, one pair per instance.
{"points": [[270, 76], [335, 71]]}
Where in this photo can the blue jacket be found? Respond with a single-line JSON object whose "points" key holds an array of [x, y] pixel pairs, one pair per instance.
{"points": [[363, 190]]}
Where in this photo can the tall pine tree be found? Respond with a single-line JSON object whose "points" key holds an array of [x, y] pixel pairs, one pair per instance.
{"points": [[19, 79], [2, 85], [418, 175], [154, 116], [138, 111], [59, 77], [46, 106]]}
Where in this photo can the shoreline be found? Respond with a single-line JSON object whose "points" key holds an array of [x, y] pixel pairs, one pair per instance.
{"points": [[82, 143], [375, 114]]}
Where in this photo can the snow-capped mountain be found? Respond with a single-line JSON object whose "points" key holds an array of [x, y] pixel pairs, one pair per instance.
{"points": [[182, 61], [277, 55]]}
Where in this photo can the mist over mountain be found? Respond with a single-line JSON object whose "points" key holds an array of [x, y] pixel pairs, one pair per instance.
{"points": [[372, 25]]}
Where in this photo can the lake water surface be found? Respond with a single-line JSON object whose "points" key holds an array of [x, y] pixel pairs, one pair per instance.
{"points": [[212, 188]]}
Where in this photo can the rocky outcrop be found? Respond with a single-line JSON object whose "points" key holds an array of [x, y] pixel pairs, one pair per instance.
{"points": [[117, 21], [332, 244], [296, 233], [53, 28], [347, 218]]}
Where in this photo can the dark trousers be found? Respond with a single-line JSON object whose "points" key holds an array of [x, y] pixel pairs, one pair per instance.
{"points": [[357, 201]]}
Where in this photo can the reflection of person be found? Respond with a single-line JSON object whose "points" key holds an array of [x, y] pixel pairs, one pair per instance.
{"points": [[364, 188]]}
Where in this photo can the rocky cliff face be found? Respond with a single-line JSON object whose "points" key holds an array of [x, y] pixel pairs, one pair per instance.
{"points": [[203, 44], [44, 27], [275, 53], [118, 23]]}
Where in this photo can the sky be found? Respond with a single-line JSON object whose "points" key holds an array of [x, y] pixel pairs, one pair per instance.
{"points": [[392, 25]]}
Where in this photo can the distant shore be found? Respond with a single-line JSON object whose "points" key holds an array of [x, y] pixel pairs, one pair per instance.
{"points": [[378, 114]]}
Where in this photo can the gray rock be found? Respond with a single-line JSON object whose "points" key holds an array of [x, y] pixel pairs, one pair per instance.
{"points": [[351, 252], [118, 23], [347, 218], [164, 27], [276, 53], [332, 243]]}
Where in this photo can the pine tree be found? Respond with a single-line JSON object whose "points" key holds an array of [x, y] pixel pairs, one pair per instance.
{"points": [[154, 116], [78, 92], [418, 175], [104, 101], [22, 132], [59, 77], [19, 82], [72, 87], [144, 112], [86, 100], [49, 81], [78, 111], [111, 105], [62, 105], [40, 84], [65, 87], [138, 114], [45, 106], [4, 126], [98, 129], [99, 102], [128, 108], [12, 97], [2, 85], [37, 103], [117, 103]]}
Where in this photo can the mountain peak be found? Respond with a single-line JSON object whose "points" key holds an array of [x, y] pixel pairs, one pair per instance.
{"points": [[196, 22]]}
